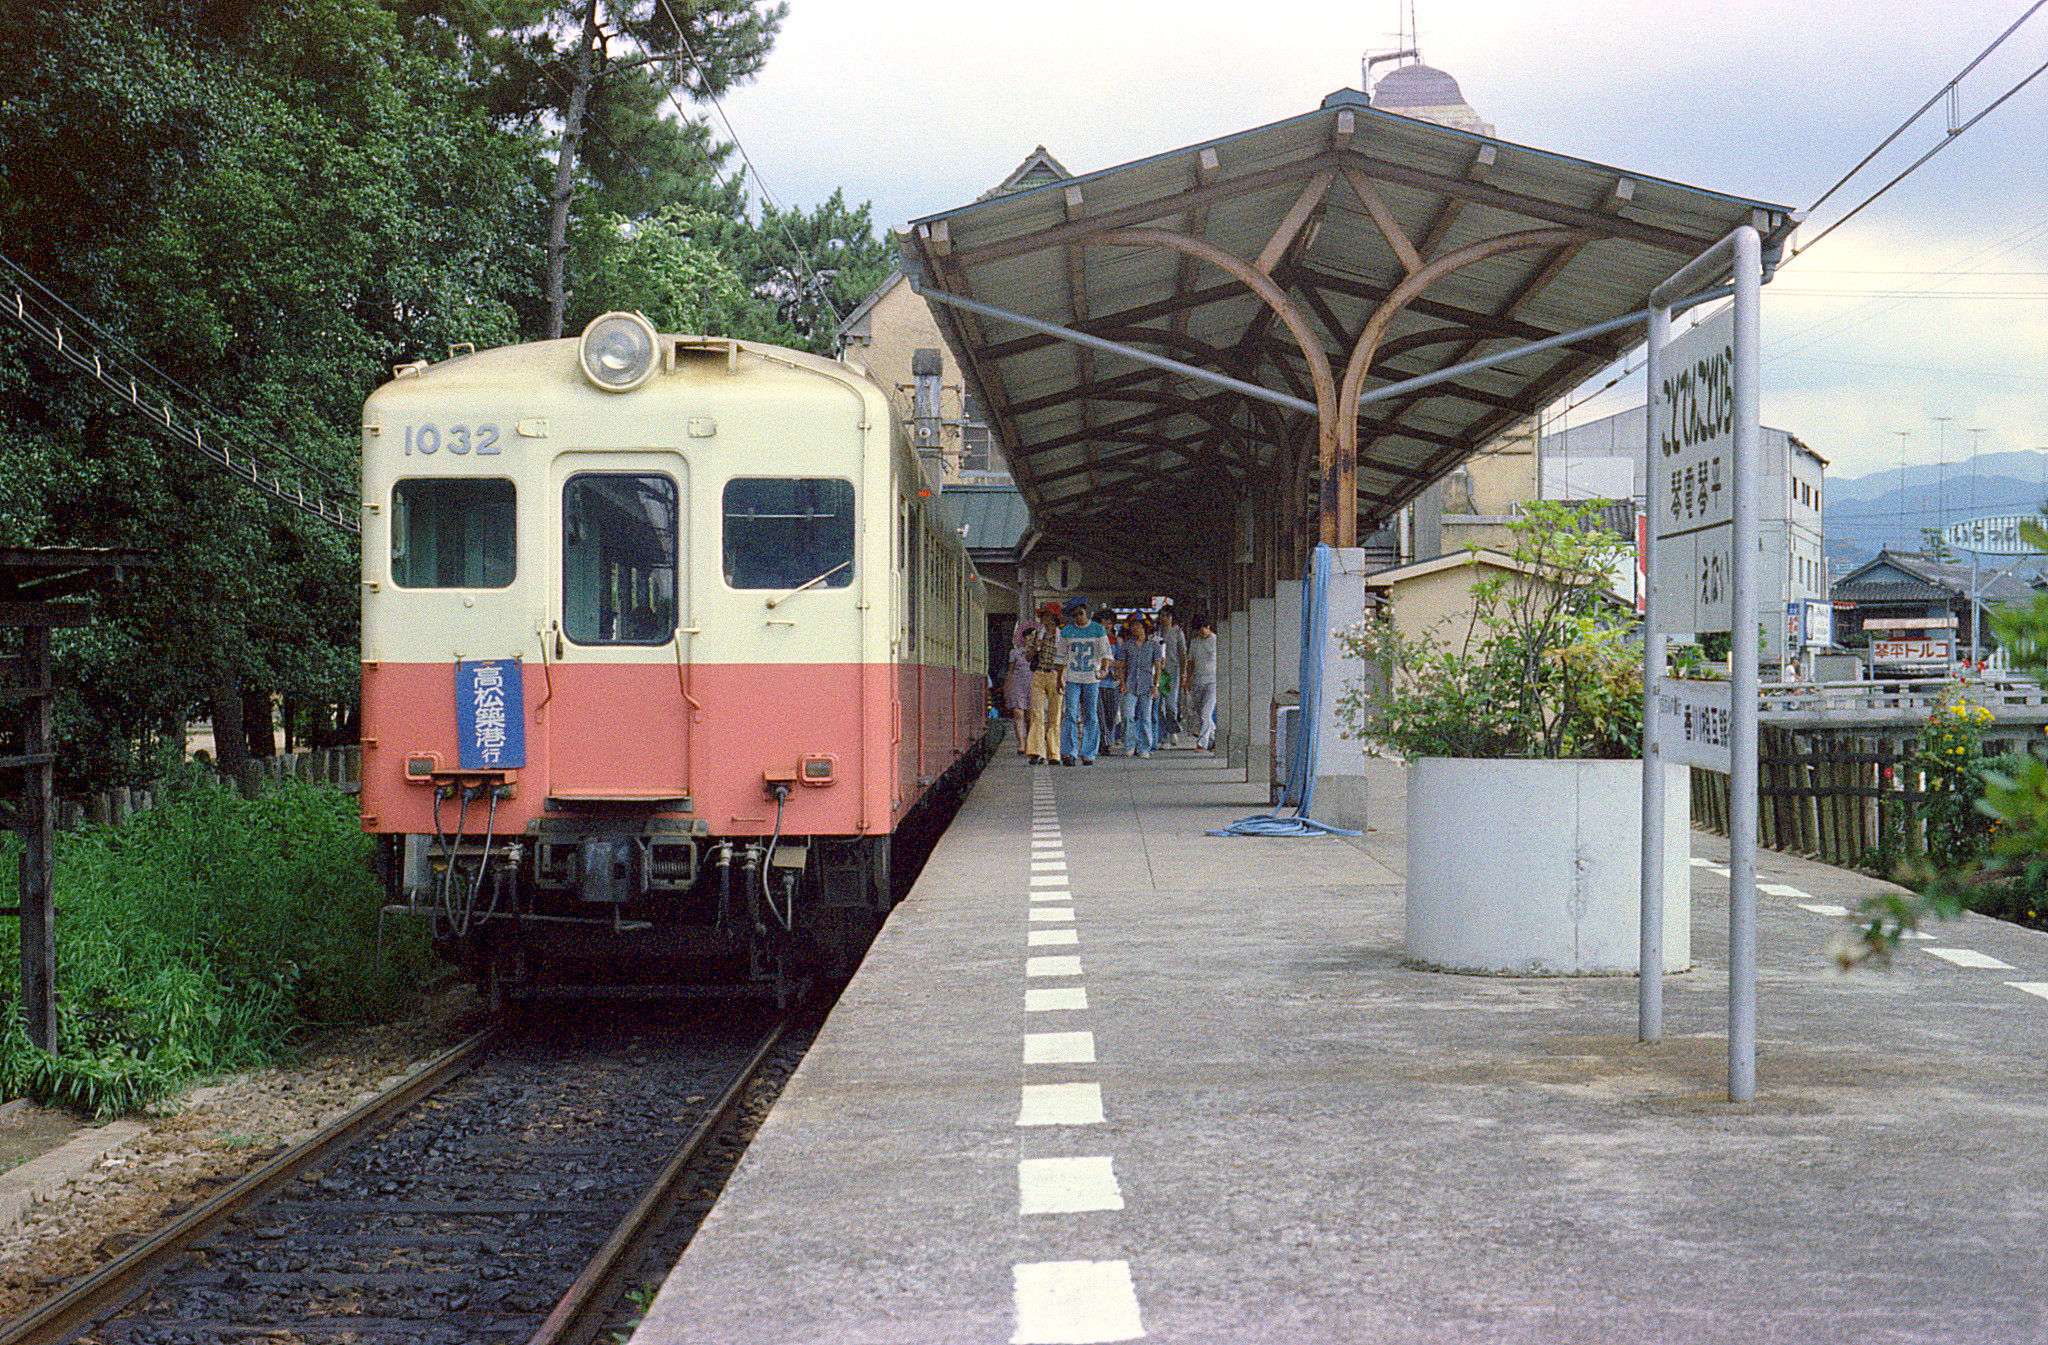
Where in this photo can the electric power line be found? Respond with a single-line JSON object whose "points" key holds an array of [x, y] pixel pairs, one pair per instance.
{"points": [[1901, 130], [817, 283], [60, 307]]}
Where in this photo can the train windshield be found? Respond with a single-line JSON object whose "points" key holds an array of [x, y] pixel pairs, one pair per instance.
{"points": [[783, 533], [619, 545], [452, 532]]}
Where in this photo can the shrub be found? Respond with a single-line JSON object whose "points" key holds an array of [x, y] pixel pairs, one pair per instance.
{"points": [[1540, 668], [209, 934]]}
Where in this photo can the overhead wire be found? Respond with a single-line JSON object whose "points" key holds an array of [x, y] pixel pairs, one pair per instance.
{"points": [[1943, 144], [816, 289], [1955, 133], [1884, 144]]}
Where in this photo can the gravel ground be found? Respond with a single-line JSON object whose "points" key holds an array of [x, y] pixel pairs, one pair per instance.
{"points": [[217, 1135]]}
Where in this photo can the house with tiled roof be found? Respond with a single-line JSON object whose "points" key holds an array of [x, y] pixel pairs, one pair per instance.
{"points": [[1914, 612]]}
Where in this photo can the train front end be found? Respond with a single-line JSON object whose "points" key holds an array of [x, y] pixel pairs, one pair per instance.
{"points": [[627, 683]]}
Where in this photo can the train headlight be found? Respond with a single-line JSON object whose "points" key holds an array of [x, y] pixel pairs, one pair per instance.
{"points": [[618, 351]]}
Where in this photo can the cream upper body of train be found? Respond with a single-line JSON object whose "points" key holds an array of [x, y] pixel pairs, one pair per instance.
{"points": [[664, 640]]}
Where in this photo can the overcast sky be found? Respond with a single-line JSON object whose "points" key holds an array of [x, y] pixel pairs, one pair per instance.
{"points": [[1933, 302]]}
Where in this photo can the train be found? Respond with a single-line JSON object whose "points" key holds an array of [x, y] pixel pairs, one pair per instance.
{"points": [[666, 650]]}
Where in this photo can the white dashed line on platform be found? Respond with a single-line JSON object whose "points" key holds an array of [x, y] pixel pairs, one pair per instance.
{"points": [[1969, 957], [1060, 1104], [1059, 1048], [1052, 966], [1048, 865], [1699, 863], [1051, 915], [1781, 890], [2038, 989], [1066, 1186], [1051, 999], [1053, 938], [1076, 1303], [1053, 894], [1822, 908], [1048, 880]]}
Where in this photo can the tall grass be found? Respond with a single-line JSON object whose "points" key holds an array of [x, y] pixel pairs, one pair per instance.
{"points": [[210, 934]]}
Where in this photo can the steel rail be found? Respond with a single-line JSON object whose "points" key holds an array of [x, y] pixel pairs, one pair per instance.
{"points": [[103, 1292], [582, 1311]]}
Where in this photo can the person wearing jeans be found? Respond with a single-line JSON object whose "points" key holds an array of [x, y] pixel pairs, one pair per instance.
{"points": [[1085, 654], [1173, 644], [1138, 664], [1201, 674]]}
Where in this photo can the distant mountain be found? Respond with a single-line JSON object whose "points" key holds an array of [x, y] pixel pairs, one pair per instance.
{"points": [[1889, 508]]}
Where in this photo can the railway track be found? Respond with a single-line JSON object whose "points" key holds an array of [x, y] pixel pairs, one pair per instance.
{"points": [[506, 1192]]}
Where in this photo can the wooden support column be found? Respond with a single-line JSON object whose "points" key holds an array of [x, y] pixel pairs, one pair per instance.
{"points": [[39, 842], [1338, 525], [1340, 466]]}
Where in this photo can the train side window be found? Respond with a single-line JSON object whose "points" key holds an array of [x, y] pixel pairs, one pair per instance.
{"points": [[788, 532], [619, 548], [453, 532]]}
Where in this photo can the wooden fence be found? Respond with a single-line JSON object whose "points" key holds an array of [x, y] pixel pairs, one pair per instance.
{"points": [[334, 768], [1837, 793]]}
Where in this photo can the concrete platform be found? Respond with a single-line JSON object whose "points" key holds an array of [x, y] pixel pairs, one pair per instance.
{"points": [[1238, 1117]]}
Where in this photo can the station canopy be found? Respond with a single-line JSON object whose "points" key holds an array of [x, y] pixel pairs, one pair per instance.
{"points": [[1161, 346]]}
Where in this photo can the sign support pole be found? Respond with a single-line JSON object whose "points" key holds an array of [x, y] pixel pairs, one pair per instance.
{"points": [[1650, 955], [1742, 253], [1742, 653]]}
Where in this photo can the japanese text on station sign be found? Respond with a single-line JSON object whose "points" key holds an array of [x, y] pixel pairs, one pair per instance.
{"points": [[1694, 722], [1694, 482]]}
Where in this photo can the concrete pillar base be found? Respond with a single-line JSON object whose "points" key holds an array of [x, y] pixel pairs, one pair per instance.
{"points": [[1341, 801]]}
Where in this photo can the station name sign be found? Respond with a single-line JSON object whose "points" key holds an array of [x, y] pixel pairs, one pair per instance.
{"points": [[1992, 536], [1692, 488]]}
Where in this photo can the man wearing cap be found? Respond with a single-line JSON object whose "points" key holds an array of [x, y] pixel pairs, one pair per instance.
{"points": [[1042, 647], [1085, 655]]}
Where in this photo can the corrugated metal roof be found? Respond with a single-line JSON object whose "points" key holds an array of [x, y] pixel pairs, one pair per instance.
{"points": [[990, 518], [1102, 443]]}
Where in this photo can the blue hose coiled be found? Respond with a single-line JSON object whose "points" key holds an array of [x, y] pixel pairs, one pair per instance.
{"points": [[1301, 758]]}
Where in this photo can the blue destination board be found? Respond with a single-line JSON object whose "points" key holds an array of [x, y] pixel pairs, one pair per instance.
{"points": [[490, 715]]}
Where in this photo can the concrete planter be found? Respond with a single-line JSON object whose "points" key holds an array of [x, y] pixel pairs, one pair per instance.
{"points": [[1532, 868]]}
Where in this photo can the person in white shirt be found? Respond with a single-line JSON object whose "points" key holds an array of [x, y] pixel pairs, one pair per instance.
{"points": [[1086, 655], [1201, 675]]}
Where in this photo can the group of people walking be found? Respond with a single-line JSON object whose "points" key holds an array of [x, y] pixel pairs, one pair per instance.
{"points": [[1077, 691]]}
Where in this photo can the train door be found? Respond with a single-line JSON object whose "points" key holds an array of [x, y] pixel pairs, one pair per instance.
{"points": [[617, 719], [911, 688]]}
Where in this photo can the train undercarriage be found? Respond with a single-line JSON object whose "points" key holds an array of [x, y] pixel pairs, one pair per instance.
{"points": [[623, 902]]}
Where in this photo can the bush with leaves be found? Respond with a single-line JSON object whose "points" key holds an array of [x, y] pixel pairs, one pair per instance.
{"points": [[1540, 667], [2008, 869], [1951, 765], [209, 934]]}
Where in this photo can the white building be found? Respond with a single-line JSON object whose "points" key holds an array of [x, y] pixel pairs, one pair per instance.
{"points": [[1605, 457]]}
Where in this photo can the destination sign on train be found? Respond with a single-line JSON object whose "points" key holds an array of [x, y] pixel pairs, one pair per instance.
{"points": [[1991, 536]]}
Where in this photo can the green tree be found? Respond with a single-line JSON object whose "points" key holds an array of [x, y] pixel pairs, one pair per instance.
{"points": [[605, 71], [266, 206]]}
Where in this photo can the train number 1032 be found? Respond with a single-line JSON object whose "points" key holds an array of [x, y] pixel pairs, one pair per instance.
{"points": [[430, 439]]}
